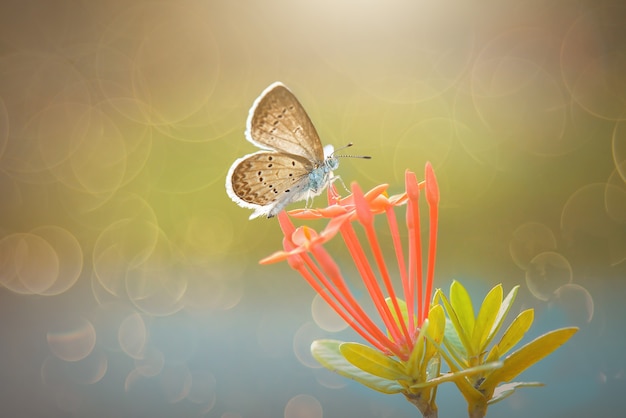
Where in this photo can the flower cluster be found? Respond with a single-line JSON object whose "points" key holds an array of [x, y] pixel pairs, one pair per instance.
{"points": [[304, 251], [416, 334]]}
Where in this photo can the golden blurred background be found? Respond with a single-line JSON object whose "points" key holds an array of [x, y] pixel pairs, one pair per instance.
{"points": [[129, 283]]}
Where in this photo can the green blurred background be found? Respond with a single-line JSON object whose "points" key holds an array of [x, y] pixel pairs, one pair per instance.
{"points": [[129, 283]]}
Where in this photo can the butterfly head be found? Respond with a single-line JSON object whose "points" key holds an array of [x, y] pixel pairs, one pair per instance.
{"points": [[330, 160]]}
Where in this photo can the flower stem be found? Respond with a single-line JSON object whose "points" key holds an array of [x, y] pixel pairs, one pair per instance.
{"points": [[477, 410], [428, 409]]}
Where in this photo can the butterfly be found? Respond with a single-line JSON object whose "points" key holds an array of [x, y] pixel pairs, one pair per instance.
{"points": [[292, 164]]}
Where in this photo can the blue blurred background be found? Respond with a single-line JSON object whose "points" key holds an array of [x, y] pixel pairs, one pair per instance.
{"points": [[129, 281]]}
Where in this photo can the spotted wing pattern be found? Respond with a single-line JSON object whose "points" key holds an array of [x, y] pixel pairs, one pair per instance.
{"points": [[278, 121], [268, 181]]}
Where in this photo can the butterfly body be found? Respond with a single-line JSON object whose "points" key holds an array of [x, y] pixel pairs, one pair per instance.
{"points": [[320, 176], [292, 164]]}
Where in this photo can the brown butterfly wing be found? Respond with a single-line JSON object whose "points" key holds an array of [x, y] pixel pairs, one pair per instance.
{"points": [[264, 178], [278, 121]]}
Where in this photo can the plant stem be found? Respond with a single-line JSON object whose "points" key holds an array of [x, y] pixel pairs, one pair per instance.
{"points": [[428, 410], [477, 410]]}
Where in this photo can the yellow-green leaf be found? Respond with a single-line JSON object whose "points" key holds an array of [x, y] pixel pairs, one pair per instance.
{"points": [[327, 353], [453, 344], [504, 310], [528, 355], [507, 389], [373, 361], [468, 390], [515, 332], [403, 312], [486, 318], [414, 365], [494, 353], [462, 305], [433, 368], [470, 393], [435, 330], [437, 321], [455, 334], [458, 376]]}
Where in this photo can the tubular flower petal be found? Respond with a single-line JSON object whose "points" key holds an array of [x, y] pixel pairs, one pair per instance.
{"points": [[303, 248]]}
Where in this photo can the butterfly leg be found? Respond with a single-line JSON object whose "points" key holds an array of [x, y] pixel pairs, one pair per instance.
{"points": [[309, 201], [335, 178]]}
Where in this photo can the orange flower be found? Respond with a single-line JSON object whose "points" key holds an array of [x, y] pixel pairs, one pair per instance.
{"points": [[304, 251]]}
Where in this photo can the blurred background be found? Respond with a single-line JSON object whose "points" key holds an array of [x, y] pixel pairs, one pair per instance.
{"points": [[129, 281]]}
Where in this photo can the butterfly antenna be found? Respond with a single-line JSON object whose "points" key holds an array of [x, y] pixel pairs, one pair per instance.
{"points": [[348, 145]]}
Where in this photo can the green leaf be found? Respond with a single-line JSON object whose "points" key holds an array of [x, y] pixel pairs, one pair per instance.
{"points": [[486, 318], [470, 393], [494, 353], [456, 329], [437, 323], [403, 312], [435, 330], [462, 305], [373, 361], [433, 368], [459, 375], [515, 332], [507, 389], [453, 342], [504, 311], [528, 355], [328, 354], [414, 365]]}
